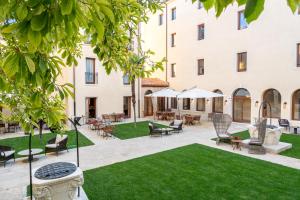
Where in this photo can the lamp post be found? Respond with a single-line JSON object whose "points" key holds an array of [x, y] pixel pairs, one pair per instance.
{"points": [[30, 166]]}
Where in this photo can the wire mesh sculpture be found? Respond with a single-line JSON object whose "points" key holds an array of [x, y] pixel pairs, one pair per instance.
{"points": [[222, 123]]}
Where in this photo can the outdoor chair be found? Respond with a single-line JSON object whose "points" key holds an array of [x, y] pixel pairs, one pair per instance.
{"points": [[222, 123], [106, 118], [57, 144], [197, 119], [256, 144], [154, 131], [176, 125], [107, 131], [284, 123], [6, 153]]}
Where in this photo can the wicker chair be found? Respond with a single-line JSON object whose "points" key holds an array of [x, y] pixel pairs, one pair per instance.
{"points": [[256, 144], [222, 123], [56, 145], [106, 118], [197, 119], [154, 131], [284, 123], [176, 125], [6, 153], [108, 131]]}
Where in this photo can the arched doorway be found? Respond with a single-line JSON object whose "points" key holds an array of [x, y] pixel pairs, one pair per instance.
{"points": [[273, 97], [217, 103], [296, 105], [148, 106], [242, 105]]}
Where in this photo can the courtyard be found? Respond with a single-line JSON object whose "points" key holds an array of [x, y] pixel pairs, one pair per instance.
{"points": [[188, 155]]}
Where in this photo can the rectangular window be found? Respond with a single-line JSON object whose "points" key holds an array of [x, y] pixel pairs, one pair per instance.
{"points": [[200, 66], [126, 80], [173, 39], [160, 19], [201, 104], [298, 55], [173, 103], [90, 75], [242, 62], [186, 104], [200, 5], [242, 23], [201, 30], [173, 16], [173, 70]]}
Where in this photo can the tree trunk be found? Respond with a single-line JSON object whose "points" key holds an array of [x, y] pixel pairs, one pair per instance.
{"points": [[133, 100]]}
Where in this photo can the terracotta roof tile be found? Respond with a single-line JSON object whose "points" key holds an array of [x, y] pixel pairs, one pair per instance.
{"points": [[154, 82]]}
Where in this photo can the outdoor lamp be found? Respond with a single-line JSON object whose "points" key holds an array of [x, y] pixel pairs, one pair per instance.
{"points": [[284, 104], [256, 103]]}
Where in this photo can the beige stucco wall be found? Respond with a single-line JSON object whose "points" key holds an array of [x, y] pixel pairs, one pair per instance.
{"points": [[270, 43]]}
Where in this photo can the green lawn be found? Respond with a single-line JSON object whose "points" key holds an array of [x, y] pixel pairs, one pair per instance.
{"points": [[192, 172], [21, 143], [128, 130], [289, 138]]}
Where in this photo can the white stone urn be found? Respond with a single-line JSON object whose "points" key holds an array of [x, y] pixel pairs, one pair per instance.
{"points": [[272, 135], [63, 188]]}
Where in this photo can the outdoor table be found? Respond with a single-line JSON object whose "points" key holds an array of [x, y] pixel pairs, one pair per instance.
{"points": [[237, 144], [33, 152], [167, 130], [189, 120], [295, 129]]}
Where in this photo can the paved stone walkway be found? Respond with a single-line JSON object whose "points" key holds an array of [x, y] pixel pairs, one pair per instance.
{"points": [[14, 177]]}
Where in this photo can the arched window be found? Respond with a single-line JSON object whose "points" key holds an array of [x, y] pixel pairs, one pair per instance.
{"points": [[272, 97], [242, 105], [148, 106], [217, 105], [296, 105]]}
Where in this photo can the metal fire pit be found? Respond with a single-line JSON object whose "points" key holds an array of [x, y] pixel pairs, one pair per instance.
{"points": [[55, 170]]}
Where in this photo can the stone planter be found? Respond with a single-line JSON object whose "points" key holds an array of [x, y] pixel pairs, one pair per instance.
{"points": [[56, 188], [272, 135]]}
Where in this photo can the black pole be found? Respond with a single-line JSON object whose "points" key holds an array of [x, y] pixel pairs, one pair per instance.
{"points": [[30, 167]]}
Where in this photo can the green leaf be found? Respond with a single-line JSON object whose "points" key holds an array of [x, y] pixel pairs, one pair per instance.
{"points": [[11, 65], [66, 7], [10, 28], [241, 2], [39, 22], [99, 27], [30, 64], [293, 4], [253, 9], [22, 12], [108, 12], [34, 37], [33, 3]]}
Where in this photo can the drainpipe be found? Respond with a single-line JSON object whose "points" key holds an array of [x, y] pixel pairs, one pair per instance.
{"points": [[74, 92], [139, 80], [166, 42]]}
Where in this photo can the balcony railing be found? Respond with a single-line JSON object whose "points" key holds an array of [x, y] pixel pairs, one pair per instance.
{"points": [[91, 78]]}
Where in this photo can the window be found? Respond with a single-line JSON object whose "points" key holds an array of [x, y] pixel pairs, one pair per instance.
{"points": [[298, 55], [296, 106], [186, 104], [160, 19], [200, 104], [217, 103], [201, 30], [173, 39], [173, 103], [173, 14], [90, 75], [173, 66], [272, 97], [126, 80], [200, 5], [200, 66], [242, 23], [242, 62]]}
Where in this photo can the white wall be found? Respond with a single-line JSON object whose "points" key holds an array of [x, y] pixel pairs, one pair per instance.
{"points": [[270, 43]]}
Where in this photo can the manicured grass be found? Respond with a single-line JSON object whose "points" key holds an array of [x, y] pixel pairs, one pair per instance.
{"points": [[192, 172], [128, 130], [21, 143], [289, 138]]}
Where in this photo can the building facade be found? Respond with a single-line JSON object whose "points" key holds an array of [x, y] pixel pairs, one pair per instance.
{"points": [[248, 63]]}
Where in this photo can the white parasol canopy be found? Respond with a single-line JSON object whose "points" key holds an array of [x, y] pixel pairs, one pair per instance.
{"points": [[196, 93], [166, 92]]}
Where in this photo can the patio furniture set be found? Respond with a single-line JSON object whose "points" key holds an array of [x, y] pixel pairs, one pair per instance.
{"points": [[113, 117], [56, 144], [9, 127], [174, 127], [103, 127], [165, 115], [286, 124]]}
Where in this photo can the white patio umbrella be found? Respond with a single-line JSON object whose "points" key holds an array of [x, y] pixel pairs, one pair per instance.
{"points": [[166, 92], [196, 93]]}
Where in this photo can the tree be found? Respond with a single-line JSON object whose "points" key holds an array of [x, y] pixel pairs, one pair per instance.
{"points": [[137, 66], [253, 8]]}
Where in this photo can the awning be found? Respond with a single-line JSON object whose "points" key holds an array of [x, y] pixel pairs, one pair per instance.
{"points": [[154, 82], [196, 93], [166, 92]]}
